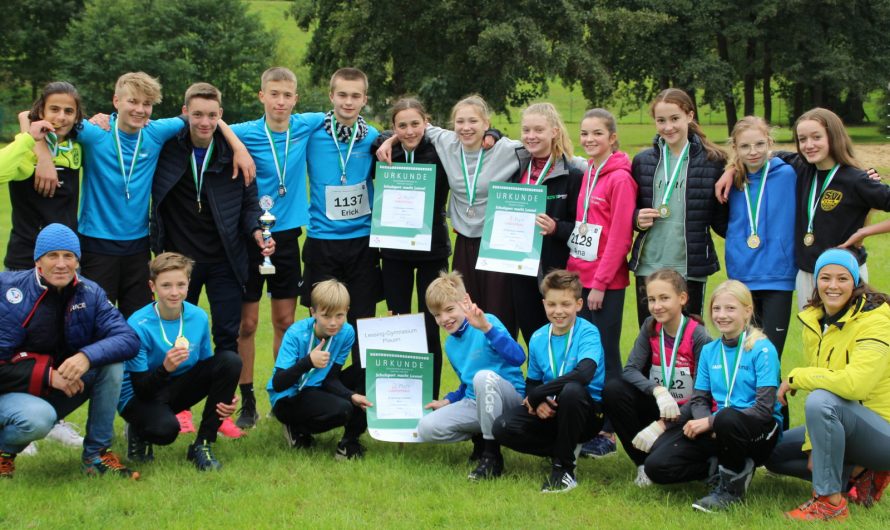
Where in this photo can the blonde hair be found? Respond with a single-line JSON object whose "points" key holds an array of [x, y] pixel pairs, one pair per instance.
{"points": [[475, 101], [562, 143], [746, 124], [139, 84], [448, 287], [740, 292], [277, 73], [329, 295], [349, 74], [840, 146], [682, 100], [169, 261]]}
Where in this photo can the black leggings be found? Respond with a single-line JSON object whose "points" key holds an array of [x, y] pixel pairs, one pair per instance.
{"points": [[608, 322], [215, 378], [631, 411], [772, 314], [313, 410]]}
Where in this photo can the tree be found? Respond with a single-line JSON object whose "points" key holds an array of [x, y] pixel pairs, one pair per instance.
{"points": [[215, 41]]}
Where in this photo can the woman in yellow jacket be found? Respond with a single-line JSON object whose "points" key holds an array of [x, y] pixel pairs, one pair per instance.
{"points": [[846, 339]]}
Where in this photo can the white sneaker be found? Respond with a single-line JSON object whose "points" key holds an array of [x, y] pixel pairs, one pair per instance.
{"points": [[31, 450], [66, 434], [642, 479]]}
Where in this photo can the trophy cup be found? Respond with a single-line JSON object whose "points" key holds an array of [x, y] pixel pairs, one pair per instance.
{"points": [[267, 221]]}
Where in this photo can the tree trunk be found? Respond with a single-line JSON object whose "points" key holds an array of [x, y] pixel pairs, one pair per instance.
{"points": [[728, 100], [750, 77], [767, 80], [797, 103]]}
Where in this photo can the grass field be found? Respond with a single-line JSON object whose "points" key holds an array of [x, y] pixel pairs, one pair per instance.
{"points": [[264, 484]]}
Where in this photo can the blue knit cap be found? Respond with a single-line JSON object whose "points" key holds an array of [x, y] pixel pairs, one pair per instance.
{"points": [[56, 237], [839, 256]]}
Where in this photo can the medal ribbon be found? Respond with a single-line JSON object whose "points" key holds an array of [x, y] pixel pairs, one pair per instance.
{"points": [[409, 157], [280, 169], [198, 176], [52, 141], [813, 200], [669, 190], [471, 190], [337, 145], [120, 156], [543, 173], [730, 383], [667, 376], [565, 356], [589, 186], [754, 215], [161, 325]]}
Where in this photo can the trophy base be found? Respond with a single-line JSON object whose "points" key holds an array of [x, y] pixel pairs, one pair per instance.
{"points": [[267, 269]]}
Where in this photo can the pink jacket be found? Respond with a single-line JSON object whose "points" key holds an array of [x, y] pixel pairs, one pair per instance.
{"points": [[611, 206]]}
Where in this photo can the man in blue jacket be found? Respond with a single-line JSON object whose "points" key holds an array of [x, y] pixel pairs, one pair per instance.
{"points": [[61, 343]]}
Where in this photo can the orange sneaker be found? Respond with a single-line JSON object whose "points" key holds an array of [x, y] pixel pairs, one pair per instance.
{"points": [[819, 509], [228, 429], [108, 463], [185, 422], [7, 465]]}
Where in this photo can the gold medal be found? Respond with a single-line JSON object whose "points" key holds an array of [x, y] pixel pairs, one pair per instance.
{"points": [[753, 241], [583, 229], [664, 211], [181, 342], [809, 239]]}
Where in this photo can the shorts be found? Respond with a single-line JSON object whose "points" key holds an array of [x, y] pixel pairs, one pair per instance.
{"points": [[285, 283]]}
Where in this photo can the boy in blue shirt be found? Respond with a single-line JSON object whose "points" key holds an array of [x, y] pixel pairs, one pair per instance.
{"points": [[564, 385], [175, 369], [487, 362], [305, 389]]}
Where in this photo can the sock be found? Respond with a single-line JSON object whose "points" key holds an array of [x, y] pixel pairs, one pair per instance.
{"points": [[491, 448], [247, 397]]}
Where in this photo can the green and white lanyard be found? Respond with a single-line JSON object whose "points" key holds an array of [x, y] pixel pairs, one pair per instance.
{"points": [[754, 213], [198, 176], [667, 370], [730, 382], [280, 169], [590, 185], [814, 200], [161, 325], [120, 156], [562, 367], [669, 190], [409, 156], [52, 141], [469, 182], [528, 174], [307, 375], [337, 145]]}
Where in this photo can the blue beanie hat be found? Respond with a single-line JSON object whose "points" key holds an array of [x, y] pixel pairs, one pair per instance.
{"points": [[842, 257], [56, 237]]}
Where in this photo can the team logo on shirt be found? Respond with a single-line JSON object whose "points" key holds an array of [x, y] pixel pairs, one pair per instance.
{"points": [[14, 295], [831, 199]]}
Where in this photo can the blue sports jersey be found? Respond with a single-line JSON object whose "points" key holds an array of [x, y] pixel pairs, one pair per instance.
{"points": [[323, 162], [105, 211], [585, 344], [758, 368], [153, 347], [295, 346], [292, 210], [472, 352]]}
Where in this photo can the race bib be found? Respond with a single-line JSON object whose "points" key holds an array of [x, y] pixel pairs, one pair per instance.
{"points": [[584, 246], [682, 386], [346, 202]]}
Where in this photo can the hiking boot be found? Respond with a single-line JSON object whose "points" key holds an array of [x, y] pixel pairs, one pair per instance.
{"points": [[185, 422], [201, 453], [7, 464], [138, 450], [560, 481], [66, 434], [108, 463], [601, 445], [819, 509], [228, 429], [730, 489], [488, 467], [247, 416], [349, 450], [297, 439]]}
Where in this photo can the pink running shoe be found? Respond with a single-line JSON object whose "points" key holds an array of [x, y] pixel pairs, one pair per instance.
{"points": [[185, 422], [228, 429]]}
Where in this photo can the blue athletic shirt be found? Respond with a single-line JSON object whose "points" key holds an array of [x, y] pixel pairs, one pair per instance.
{"points": [[292, 210], [585, 344], [295, 346], [473, 350], [153, 349], [105, 212], [324, 170], [758, 368]]}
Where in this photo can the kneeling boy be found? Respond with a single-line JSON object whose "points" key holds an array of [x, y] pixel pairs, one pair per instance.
{"points": [[306, 392], [565, 380], [175, 369], [487, 362]]}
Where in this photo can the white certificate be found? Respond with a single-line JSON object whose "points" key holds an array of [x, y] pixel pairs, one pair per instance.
{"points": [[513, 231], [399, 399], [402, 208]]}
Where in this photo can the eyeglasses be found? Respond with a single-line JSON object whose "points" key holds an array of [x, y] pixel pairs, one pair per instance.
{"points": [[747, 148]]}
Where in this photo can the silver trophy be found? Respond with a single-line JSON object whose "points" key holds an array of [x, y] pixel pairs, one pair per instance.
{"points": [[267, 221]]}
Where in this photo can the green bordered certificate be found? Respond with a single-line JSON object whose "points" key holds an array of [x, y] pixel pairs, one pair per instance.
{"points": [[399, 384], [402, 217], [511, 241]]}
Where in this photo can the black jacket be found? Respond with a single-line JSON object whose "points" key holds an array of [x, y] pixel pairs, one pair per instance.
{"points": [[563, 184], [235, 207], [703, 211]]}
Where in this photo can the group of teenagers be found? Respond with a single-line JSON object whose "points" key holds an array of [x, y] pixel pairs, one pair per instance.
{"points": [[191, 190]]}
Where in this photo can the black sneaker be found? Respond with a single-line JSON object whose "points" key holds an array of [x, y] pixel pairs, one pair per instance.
{"points": [[296, 439], [138, 450], [247, 416], [201, 453], [560, 481], [349, 450], [488, 467]]}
